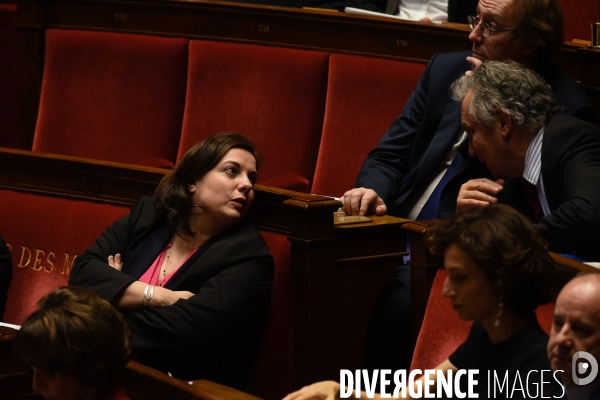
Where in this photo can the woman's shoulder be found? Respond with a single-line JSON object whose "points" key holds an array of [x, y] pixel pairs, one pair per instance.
{"points": [[145, 212]]}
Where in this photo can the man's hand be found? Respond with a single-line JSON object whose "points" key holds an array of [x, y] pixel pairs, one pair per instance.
{"points": [[475, 62], [362, 201], [478, 193]]}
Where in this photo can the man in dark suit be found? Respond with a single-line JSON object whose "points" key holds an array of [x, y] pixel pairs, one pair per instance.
{"points": [[511, 119], [576, 328], [414, 171]]}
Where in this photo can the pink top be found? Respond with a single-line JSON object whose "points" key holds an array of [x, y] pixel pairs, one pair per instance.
{"points": [[152, 274]]}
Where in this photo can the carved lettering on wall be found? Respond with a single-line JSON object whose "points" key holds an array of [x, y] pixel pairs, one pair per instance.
{"points": [[41, 260], [25, 250], [67, 267]]}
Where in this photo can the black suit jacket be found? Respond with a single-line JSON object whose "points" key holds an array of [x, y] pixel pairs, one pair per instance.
{"points": [[213, 335], [409, 154], [571, 177], [5, 275]]}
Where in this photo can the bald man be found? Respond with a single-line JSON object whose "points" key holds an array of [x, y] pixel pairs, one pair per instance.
{"points": [[576, 328]]}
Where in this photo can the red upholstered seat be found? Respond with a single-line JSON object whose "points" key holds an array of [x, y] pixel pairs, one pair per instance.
{"points": [[579, 16], [9, 77], [111, 96], [274, 370], [45, 234], [275, 96], [443, 331], [364, 96]]}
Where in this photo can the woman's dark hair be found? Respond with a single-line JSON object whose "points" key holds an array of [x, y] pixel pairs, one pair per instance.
{"points": [[173, 197], [502, 242], [75, 331]]}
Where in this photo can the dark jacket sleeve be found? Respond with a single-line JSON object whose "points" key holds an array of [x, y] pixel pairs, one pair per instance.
{"points": [[91, 269], [571, 172], [5, 275], [389, 162]]}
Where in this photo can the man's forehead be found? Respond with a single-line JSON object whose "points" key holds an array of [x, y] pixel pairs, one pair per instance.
{"points": [[498, 8], [581, 297]]}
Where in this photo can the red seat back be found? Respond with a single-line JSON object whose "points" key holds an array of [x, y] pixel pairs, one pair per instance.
{"points": [[112, 96], [442, 330], [364, 96], [44, 235], [275, 363], [275, 96]]}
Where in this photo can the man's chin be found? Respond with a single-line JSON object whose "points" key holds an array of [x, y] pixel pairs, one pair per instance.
{"points": [[479, 56]]}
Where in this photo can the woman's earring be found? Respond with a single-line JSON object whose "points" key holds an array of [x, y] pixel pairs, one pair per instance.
{"points": [[501, 306]]}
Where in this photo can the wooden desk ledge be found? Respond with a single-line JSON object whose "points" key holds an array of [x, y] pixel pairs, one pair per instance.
{"points": [[145, 383]]}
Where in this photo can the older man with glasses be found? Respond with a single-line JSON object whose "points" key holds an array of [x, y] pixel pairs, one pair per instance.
{"points": [[420, 163]]}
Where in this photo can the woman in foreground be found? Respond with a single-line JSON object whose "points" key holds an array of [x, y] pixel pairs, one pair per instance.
{"points": [[190, 274], [498, 273]]}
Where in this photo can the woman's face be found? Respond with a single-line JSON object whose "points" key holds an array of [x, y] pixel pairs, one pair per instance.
{"points": [[56, 386], [473, 295], [226, 192]]}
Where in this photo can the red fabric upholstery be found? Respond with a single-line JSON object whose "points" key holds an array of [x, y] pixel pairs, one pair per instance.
{"points": [[45, 234], [364, 96], [274, 369], [112, 96], [275, 96], [442, 330], [579, 16], [9, 77], [545, 315]]}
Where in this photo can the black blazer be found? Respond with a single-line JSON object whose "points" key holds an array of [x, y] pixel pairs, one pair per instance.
{"points": [[5, 275], [571, 175], [409, 153], [213, 335]]}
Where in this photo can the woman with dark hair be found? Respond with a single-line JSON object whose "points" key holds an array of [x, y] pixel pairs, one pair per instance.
{"points": [[498, 273], [77, 345], [190, 274]]}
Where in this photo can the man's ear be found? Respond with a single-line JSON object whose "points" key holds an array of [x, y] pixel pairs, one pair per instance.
{"points": [[503, 122]]}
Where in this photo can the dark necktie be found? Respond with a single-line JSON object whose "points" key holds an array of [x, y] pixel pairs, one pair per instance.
{"points": [[534, 201], [430, 208]]}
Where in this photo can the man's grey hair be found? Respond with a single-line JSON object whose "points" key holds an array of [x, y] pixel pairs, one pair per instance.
{"points": [[520, 92]]}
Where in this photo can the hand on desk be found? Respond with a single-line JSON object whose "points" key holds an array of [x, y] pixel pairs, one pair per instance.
{"points": [[362, 201], [478, 193]]}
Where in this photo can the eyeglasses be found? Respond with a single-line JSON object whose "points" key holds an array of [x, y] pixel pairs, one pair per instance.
{"points": [[486, 29]]}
